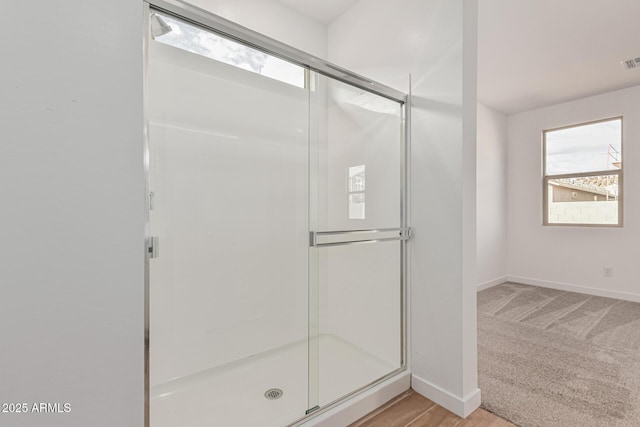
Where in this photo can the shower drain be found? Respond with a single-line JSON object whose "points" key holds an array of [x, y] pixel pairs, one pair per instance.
{"points": [[273, 393]]}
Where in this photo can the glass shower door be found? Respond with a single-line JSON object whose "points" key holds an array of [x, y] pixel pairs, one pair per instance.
{"points": [[356, 239], [228, 156], [275, 281]]}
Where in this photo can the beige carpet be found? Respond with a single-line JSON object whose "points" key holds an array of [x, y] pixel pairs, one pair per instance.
{"points": [[551, 358]]}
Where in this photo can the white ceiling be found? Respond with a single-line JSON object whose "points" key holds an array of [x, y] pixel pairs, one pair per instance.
{"points": [[324, 11], [535, 53]]}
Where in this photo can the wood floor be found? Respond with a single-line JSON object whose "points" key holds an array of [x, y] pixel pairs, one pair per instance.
{"points": [[413, 410]]}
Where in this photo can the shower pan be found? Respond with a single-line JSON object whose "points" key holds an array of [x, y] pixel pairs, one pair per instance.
{"points": [[277, 227]]}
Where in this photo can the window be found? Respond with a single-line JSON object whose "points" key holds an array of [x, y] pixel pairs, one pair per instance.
{"points": [[583, 174], [355, 185], [177, 33]]}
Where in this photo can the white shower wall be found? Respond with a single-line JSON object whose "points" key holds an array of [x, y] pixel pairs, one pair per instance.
{"points": [[229, 176]]}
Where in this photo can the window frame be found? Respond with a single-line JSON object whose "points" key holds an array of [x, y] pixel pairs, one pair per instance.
{"points": [[546, 177]]}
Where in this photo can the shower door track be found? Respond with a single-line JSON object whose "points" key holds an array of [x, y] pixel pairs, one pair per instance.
{"points": [[278, 49]]}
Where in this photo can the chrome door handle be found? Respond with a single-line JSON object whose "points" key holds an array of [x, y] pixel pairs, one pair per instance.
{"points": [[367, 236]]}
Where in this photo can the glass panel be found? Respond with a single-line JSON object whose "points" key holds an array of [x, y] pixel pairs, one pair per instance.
{"points": [[583, 200], [585, 148], [354, 185], [228, 293], [180, 34], [359, 146], [359, 334]]}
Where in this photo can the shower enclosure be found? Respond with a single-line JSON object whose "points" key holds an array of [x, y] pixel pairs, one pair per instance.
{"points": [[277, 227]]}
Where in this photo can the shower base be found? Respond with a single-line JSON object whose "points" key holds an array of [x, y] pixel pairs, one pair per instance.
{"points": [[233, 395]]}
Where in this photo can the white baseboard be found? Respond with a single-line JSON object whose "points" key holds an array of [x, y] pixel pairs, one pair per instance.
{"points": [[575, 288], [492, 283], [360, 405], [461, 407]]}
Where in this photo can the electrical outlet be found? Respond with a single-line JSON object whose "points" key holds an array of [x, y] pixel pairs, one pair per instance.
{"points": [[607, 271]]}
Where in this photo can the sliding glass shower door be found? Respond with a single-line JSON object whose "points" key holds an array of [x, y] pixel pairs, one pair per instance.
{"points": [[228, 186], [276, 264], [356, 238]]}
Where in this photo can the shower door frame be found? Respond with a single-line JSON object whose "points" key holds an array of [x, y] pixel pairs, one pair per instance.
{"points": [[278, 49]]}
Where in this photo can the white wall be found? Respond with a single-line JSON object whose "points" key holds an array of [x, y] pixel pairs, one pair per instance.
{"points": [[492, 197], [435, 40], [572, 257], [273, 19], [72, 216]]}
